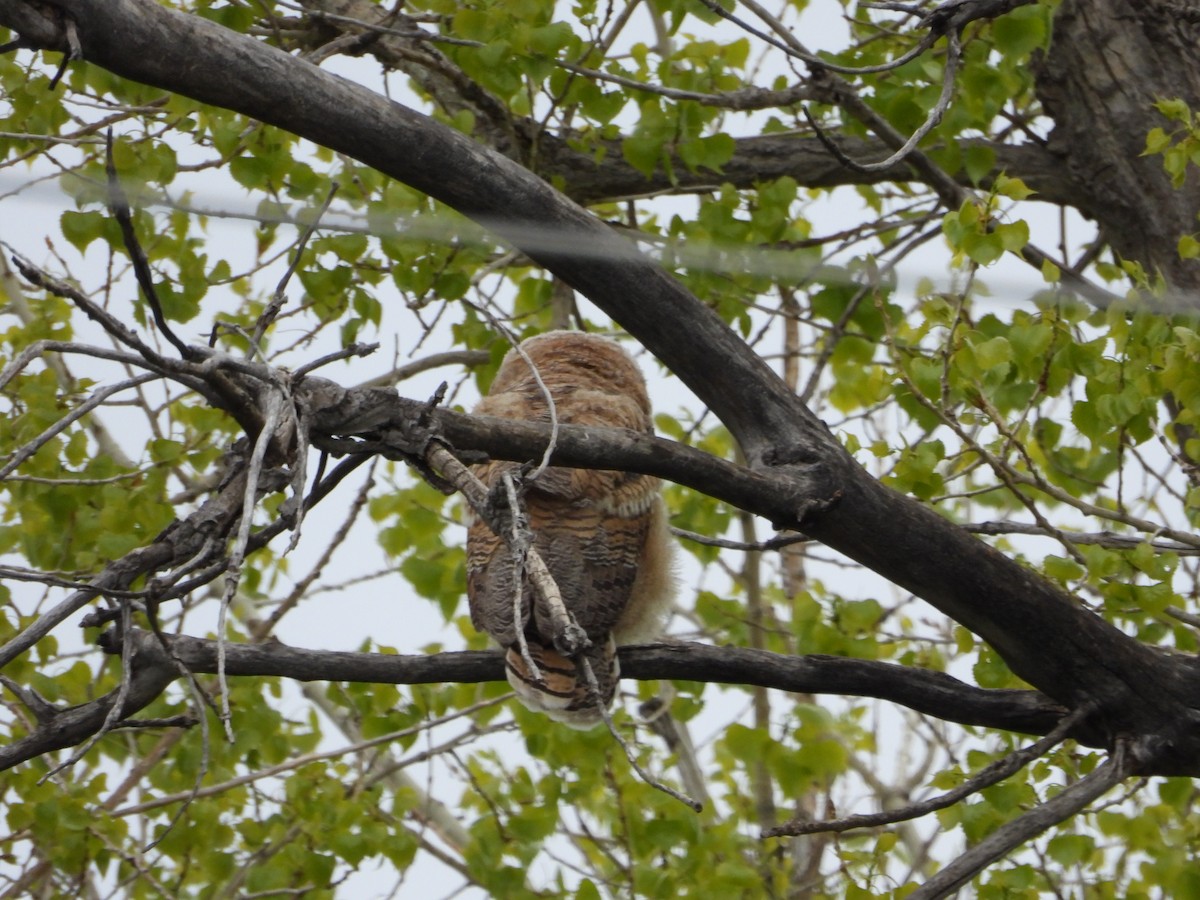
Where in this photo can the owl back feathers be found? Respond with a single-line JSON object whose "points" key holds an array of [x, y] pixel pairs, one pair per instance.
{"points": [[602, 534]]}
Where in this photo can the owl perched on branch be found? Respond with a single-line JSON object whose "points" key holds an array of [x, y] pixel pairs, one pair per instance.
{"points": [[602, 534]]}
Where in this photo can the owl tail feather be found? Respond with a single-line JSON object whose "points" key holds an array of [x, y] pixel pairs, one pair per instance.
{"points": [[564, 694]]}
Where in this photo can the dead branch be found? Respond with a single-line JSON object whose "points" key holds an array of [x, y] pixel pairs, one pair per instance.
{"points": [[141, 265], [151, 672], [993, 774], [1073, 799]]}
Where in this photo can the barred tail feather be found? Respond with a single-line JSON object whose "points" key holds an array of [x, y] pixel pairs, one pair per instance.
{"points": [[563, 693]]}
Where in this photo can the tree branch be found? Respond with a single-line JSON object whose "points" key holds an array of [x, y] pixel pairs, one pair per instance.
{"points": [[606, 177], [1013, 834], [150, 674], [930, 692], [934, 693], [993, 774]]}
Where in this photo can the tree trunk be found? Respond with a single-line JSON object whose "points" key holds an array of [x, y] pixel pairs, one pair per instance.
{"points": [[1108, 63]]}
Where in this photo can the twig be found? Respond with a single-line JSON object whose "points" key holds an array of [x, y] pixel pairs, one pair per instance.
{"points": [[1013, 834], [1102, 538], [955, 15], [274, 414], [909, 9], [304, 760], [96, 399], [260, 629], [656, 713], [153, 360], [141, 265], [451, 358], [551, 408], [992, 774], [114, 713], [221, 326], [792, 47], [776, 543], [594, 688], [1183, 616], [17, 573], [278, 299], [182, 721], [520, 541], [355, 349], [43, 710], [294, 508], [745, 99], [74, 50], [199, 699], [953, 55]]}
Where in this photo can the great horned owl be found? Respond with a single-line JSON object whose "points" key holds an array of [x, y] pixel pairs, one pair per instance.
{"points": [[602, 534]]}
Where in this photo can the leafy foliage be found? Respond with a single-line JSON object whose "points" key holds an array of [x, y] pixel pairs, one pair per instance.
{"points": [[1042, 413]]}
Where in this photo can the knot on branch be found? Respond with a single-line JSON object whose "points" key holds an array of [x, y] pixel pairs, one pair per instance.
{"points": [[808, 467]]}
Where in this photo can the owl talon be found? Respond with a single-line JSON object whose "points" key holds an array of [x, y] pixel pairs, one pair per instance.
{"points": [[572, 640]]}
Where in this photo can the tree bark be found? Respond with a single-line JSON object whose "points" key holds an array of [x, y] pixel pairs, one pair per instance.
{"points": [[1109, 62], [156, 665]]}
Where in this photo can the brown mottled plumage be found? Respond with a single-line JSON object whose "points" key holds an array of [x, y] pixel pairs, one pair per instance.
{"points": [[602, 534]]}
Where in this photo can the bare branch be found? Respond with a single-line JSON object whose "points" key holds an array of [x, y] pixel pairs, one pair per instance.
{"points": [[1106, 539], [594, 688], [992, 774], [152, 672], [353, 350], [102, 317], [778, 542], [934, 693], [156, 664], [416, 367], [278, 298], [121, 697], [1011, 835], [273, 425], [94, 401], [953, 54], [141, 265], [656, 713]]}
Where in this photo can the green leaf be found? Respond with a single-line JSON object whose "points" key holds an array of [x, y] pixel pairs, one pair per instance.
{"points": [[996, 352], [1014, 188], [979, 161], [81, 228], [1157, 141], [1070, 849], [1175, 109], [1014, 235], [983, 247]]}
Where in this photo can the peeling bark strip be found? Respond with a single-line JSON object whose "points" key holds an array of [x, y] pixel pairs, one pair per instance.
{"points": [[1044, 635]]}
